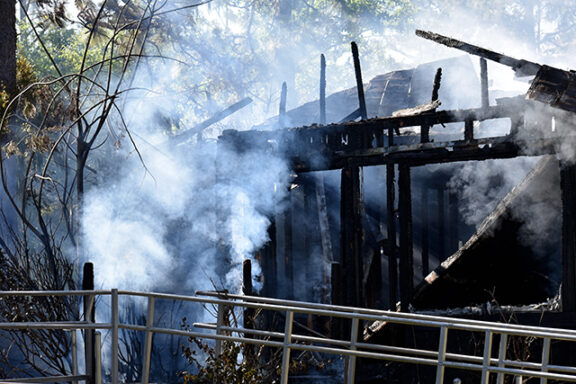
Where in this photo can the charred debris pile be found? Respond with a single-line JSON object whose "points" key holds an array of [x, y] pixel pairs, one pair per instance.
{"points": [[371, 222]]}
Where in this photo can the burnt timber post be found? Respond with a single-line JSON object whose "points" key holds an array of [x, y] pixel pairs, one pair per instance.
{"points": [[441, 224], [391, 229], [351, 235], [406, 251], [484, 83], [351, 231], [425, 233], [89, 309], [568, 186], [248, 316]]}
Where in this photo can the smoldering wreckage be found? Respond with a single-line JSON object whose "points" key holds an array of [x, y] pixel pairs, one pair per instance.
{"points": [[368, 252], [393, 145]]}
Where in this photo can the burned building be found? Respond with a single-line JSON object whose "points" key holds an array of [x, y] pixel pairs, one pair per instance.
{"points": [[407, 248]]}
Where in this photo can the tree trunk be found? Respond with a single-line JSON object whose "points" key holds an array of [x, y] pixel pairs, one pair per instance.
{"points": [[8, 45]]}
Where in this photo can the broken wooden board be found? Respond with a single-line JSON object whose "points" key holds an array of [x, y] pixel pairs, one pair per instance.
{"points": [[418, 110], [493, 264], [554, 87]]}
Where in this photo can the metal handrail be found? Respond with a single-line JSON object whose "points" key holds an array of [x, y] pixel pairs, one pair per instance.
{"points": [[290, 340]]}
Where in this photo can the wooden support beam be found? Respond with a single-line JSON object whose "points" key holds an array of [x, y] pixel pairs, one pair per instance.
{"points": [[453, 215], [282, 108], [213, 120], [469, 130], [568, 186], [248, 314], [351, 235], [322, 89], [441, 239], [288, 240], [391, 229], [269, 263], [425, 231], [484, 83], [337, 298], [90, 315], [359, 83], [406, 246], [521, 67], [324, 226]]}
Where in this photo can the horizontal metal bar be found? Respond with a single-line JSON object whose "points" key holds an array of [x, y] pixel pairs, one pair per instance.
{"points": [[46, 379], [54, 325], [397, 317], [386, 348], [338, 347], [54, 293]]}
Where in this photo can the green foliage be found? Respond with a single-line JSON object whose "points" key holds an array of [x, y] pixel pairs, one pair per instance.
{"points": [[66, 46], [240, 363]]}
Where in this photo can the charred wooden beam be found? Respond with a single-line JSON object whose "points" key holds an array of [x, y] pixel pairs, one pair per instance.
{"points": [[469, 130], [282, 108], [213, 120], [352, 116], [425, 231], [391, 229], [521, 67], [425, 129], [453, 220], [351, 235], [268, 261], [247, 291], [406, 246], [554, 87], [324, 226], [568, 186], [359, 83], [335, 146], [441, 242], [337, 298], [90, 316], [484, 96], [322, 89]]}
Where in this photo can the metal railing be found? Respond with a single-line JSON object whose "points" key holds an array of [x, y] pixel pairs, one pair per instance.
{"points": [[352, 348]]}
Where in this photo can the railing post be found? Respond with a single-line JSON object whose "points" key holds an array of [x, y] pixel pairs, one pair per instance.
{"points": [[442, 343], [74, 354], [89, 317], [286, 347], [97, 358], [219, 324], [545, 358], [351, 366], [115, 321], [501, 357], [487, 355], [148, 341]]}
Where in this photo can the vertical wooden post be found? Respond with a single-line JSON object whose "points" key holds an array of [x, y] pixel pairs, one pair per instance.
{"points": [[453, 220], [268, 262], [484, 83], [351, 234], [469, 130], [282, 109], [288, 240], [336, 331], [322, 89], [406, 251], [359, 83], [568, 185], [89, 309], [425, 231], [248, 315], [391, 229], [441, 225]]}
